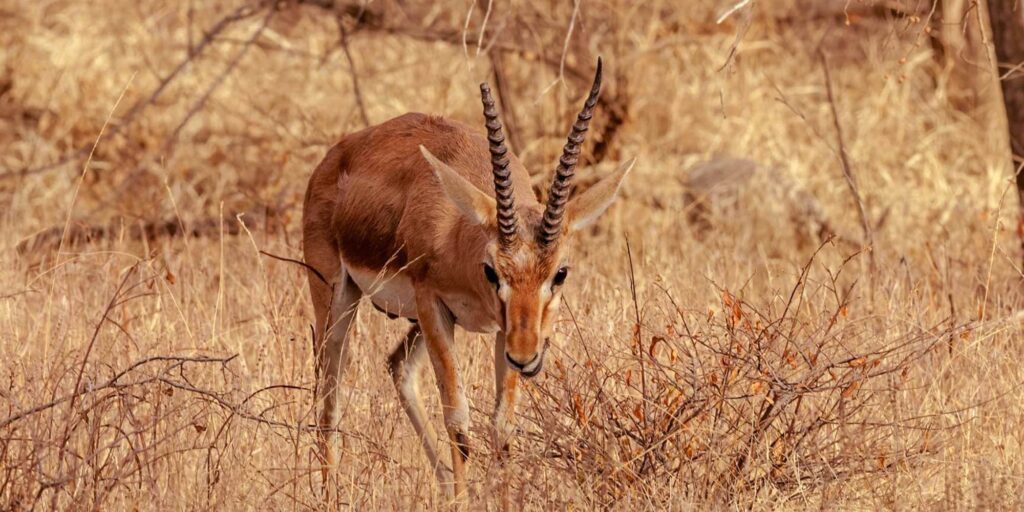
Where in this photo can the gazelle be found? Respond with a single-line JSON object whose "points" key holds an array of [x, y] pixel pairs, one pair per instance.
{"points": [[404, 213]]}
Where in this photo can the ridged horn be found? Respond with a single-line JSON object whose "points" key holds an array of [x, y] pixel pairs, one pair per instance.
{"points": [[499, 165], [551, 226]]}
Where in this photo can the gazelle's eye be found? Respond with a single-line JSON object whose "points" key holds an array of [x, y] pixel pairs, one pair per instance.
{"points": [[491, 275], [560, 276]]}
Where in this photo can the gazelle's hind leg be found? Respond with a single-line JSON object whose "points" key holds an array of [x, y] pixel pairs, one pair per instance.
{"points": [[335, 298], [332, 359], [405, 364]]}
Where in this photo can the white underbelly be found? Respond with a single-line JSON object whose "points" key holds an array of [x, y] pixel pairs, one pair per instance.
{"points": [[393, 293]]}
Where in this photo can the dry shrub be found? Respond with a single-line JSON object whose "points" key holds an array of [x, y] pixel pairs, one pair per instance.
{"points": [[751, 402], [743, 400], [95, 433]]}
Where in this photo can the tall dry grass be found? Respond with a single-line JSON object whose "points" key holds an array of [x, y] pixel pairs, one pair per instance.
{"points": [[735, 359]]}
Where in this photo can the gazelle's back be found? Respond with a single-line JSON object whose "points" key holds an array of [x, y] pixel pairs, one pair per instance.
{"points": [[382, 199]]}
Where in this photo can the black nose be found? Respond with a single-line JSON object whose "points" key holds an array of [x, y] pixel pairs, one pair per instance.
{"points": [[516, 364], [520, 367]]}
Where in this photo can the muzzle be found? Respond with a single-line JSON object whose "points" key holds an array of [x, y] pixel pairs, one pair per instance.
{"points": [[532, 367]]}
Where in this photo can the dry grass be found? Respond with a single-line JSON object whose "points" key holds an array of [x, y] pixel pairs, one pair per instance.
{"points": [[741, 361]]}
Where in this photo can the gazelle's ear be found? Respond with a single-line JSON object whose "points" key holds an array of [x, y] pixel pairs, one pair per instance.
{"points": [[585, 208], [473, 202]]}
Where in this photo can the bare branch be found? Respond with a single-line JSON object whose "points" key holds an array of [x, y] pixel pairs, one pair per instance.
{"points": [[241, 13], [113, 382], [844, 159], [343, 40]]}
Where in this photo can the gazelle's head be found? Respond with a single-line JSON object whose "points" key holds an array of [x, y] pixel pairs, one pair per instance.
{"points": [[526, 262]]}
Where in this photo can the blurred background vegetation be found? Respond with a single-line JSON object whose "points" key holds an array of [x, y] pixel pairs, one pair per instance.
{"points": [[819, 306]]}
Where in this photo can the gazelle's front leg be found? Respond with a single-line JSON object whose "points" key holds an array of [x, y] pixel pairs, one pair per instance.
{"points": [[438, 328], [506, 392], [405, 364]]}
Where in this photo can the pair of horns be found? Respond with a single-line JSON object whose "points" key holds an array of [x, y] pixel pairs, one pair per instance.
{"points": [[558, 196]]}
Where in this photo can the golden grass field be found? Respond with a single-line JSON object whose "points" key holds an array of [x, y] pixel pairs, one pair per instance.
{"points": [[726, 355]]}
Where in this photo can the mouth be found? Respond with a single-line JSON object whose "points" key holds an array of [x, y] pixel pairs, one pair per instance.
{"points": [[532, 368], [535, 366]]}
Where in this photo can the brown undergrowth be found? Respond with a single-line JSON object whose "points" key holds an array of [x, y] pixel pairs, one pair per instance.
{"points": [[807, 297]]}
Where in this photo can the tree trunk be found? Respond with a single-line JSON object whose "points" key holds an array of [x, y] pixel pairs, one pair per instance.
{"points": [[1007, 19]]}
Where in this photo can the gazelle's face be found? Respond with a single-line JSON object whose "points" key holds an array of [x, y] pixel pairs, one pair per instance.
{"points": [[527, 280], [525, 266]]}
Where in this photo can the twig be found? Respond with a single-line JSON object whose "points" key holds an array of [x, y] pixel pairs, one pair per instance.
{"points": [[844, 159], [201, 102], [353, 74], [114, 299], [640, 343], [85, 168], [730, 10], [992, 252], [565, 49], [191, 16], [501, 85], [568, 37], [483, 25], [746, 19], [297, 262], [110, 383]]}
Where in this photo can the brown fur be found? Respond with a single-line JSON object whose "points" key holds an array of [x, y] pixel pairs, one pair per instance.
{"points": [[377, 205], [387, 205]]}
